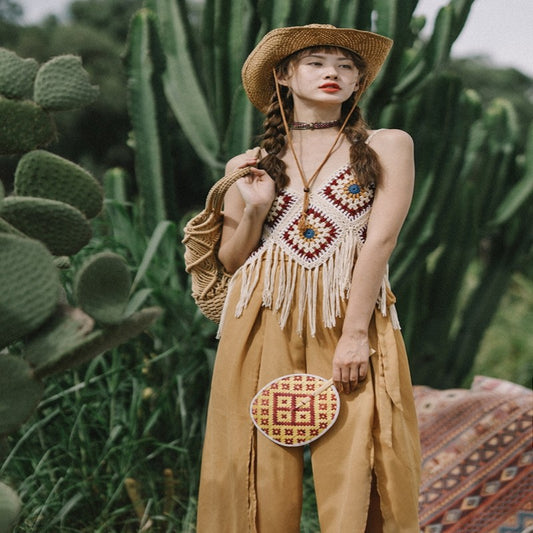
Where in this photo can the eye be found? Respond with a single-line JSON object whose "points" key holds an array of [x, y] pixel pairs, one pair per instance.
{"points": [[347, 66]]}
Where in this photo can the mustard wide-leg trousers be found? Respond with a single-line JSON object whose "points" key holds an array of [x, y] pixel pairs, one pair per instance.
{"points": [[251, 484]]}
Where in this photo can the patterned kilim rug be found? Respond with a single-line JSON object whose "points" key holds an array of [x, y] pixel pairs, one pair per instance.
{"points": [[477, 469]]}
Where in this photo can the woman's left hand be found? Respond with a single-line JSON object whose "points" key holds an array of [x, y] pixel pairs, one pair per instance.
{"points": [[350, 362]]}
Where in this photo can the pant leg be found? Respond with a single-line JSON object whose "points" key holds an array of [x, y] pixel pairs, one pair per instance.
{"points": [[342, 458]]}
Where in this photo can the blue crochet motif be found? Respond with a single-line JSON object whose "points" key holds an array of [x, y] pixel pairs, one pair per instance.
{"points": [[354, 188], [309, 233]]}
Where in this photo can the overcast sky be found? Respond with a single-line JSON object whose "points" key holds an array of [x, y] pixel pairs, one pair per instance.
{"points": [[498, 29]]}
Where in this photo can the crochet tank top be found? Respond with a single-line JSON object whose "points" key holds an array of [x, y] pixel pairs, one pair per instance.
{"points": [[335, 230]]}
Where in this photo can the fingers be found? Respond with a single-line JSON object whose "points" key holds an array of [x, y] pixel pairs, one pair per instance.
{"points": [[251, 162], [347, 379]]}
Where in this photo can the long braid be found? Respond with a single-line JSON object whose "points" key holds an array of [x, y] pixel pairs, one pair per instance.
{"points": [[363, 158], [273, 142]]}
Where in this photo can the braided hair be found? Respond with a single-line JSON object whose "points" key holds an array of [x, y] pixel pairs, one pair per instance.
{"points": [[363, 158]]}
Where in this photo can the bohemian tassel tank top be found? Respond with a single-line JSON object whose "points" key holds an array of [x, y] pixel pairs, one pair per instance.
{"points": [[322, 255]]}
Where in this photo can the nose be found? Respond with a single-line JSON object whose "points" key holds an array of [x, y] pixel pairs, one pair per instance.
{"points": [[331, 73]]}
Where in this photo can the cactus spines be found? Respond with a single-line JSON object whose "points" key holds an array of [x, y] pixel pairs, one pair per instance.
{"points": [[16, 75], [43, 174], [29, 287], [62, 83], [62, 228], [24, 126], [9, 507], [102, 287], [20, 392]]}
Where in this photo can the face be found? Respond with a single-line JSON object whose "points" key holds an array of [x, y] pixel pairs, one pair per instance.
{"points": [[321, 77]]}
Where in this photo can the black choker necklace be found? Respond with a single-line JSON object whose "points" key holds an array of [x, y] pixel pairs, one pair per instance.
{"points": [[315, 125]]}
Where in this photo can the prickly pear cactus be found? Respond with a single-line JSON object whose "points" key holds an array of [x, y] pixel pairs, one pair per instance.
{"points": [[24, 126], [61, 227], [102, 288], [46, 175], [43, 222], [62, 83], [29, 287], [20, 393], [9, 507], [16, 75], [29, 93]]}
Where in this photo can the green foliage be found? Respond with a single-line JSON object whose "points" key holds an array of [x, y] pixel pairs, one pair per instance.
{"points": [[29, 289], [16, 74], [147, 108], [40, 173], [62, 83], [24, 126], [62, 228], [41, 334], [9, 507], [102, 287], [19, 393]]}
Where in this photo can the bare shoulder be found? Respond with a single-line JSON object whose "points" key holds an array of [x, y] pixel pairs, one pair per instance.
{"points": [[236, 162], [243, 159], [390, 140]]}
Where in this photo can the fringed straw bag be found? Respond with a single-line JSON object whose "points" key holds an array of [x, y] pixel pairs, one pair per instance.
{"points": [[201, 239]]}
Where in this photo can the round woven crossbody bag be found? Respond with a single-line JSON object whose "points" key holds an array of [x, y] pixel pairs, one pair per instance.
{"points": [[295, 409], [201, 239]]}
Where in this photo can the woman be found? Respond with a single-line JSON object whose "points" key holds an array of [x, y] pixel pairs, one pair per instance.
{"points": [[308, 234]]}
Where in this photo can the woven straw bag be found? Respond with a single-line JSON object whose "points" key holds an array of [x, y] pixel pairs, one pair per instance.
{"points": [[201, 239]]}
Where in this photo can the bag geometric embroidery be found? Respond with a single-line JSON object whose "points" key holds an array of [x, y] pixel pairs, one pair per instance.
{"points": [[295, 409]]}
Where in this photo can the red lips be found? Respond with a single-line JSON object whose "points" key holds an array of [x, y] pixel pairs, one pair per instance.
{"points": [[329, 85]]}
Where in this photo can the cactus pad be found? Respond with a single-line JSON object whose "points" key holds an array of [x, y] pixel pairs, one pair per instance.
{"points": [[102, 287], [20, 392], [16, 75], [43, 174], [24, 126], [9, 507], [29, 287], [62, 228], [62, 83]]}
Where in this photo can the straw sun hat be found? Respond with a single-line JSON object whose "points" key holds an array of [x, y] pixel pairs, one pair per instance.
{"points": [[276, 45]]}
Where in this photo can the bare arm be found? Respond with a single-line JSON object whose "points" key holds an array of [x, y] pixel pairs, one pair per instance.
{"points": [[246, 205], [391, 203]]}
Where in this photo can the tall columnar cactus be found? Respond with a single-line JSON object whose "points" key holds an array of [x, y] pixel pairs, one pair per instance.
{"points": [[48, 216], [471, 190]]}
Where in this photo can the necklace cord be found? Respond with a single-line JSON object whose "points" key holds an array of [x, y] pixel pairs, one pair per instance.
{"points": [[307, 183]]}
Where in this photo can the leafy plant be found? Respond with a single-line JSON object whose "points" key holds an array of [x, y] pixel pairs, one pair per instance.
{"points": [[48, 215]]}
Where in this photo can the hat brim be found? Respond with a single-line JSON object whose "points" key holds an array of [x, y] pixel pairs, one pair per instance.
{"points": [[257, 78]]}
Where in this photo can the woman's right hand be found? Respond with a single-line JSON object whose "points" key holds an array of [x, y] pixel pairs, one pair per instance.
{"points": [[257, 189], [246, 206]]}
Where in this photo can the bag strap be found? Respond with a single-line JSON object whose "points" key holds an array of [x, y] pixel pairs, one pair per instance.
{"points": [[215, 196]]}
